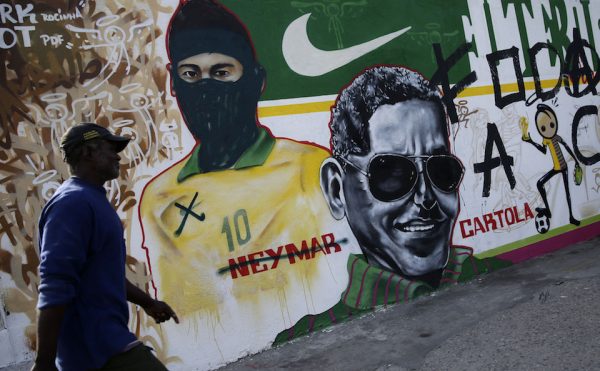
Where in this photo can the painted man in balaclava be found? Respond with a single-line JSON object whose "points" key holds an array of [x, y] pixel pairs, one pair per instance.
{"points": [[238, 235], [219, 112]]}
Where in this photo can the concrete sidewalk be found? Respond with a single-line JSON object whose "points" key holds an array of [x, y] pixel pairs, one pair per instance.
{"points": [[543, 314]]}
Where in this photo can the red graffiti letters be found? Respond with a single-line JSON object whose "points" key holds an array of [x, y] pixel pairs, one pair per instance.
{"points": [[261, 261], [494, 220]]}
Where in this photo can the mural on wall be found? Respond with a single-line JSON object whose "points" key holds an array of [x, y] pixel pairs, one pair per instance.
{"points": [[393, 177], [63, 64], [237, 232], [286, 171]]}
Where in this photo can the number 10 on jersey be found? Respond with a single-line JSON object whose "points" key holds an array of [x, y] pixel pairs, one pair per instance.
{"points": [[241, 227]]}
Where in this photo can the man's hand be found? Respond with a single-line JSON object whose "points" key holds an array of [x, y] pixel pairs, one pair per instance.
{"points": [[160, 311]]}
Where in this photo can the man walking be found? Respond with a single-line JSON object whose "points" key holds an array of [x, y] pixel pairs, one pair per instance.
{"points": [[83, 292]]}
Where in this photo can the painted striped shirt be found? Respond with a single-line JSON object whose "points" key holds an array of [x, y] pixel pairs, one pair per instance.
{"points": [[369, 287], [558, 159]]}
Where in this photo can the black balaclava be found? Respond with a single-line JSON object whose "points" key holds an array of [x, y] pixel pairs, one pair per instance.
{"points": [[221, 115]]}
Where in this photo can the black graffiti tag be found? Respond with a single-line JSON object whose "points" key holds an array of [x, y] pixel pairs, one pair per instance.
{"points": [[489, 163], [441, 76], [579, 115], [493, 61], [186, 211]]}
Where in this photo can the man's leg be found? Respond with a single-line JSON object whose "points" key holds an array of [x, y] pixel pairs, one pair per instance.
{"points": [[139, 358]]}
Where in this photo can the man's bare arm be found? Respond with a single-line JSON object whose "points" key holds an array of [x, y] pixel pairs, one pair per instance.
{"points": [[159, 310], [49, 321]]}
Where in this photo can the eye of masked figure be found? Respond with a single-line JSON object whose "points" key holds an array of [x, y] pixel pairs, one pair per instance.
{"points": [[217, 95], [214, 66], [401, 198]]}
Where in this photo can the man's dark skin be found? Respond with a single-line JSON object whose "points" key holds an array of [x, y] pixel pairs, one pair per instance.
{"points": [[95, 166]]}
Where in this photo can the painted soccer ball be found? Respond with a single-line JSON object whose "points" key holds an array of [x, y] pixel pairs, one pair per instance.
{"points": [[542, 223]]}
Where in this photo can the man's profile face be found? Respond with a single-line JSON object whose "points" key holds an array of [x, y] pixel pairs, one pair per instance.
{"points": [[214, 66], [410, 234], [104, 160]]}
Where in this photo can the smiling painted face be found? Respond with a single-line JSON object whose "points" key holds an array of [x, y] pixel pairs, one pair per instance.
{"points": [[410, 234]]}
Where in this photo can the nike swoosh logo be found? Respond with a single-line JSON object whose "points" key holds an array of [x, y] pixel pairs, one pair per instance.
{"points": [[307, 60]]}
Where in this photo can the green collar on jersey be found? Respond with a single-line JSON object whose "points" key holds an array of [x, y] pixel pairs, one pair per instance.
{"points": [[255, 155]]}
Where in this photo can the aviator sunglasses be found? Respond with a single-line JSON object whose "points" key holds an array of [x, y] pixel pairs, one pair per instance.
{"points": [[393, 176]]}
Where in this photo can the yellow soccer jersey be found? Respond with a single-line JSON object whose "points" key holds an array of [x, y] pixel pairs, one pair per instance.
{"points": [[558, 160], [253, 237]]}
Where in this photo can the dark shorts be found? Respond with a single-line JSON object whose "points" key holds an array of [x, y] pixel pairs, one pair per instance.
{"points": [[137, 358]]}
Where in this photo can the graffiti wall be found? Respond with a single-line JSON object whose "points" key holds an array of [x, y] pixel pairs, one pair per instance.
{"points": [[295, 163]]}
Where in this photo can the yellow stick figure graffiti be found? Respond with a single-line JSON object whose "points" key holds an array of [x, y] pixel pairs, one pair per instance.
{"points": [[547, 126]]}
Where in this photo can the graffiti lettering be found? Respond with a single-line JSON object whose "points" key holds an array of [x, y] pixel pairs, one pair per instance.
{"points": [[596, 173], [494, 220], [56, 17], [54, 40], [577, 67], [441, 77], [582, 112], [493, 61], [522, 16], [576, 70], [518, 7], [246, 264], [533, 51], [489, 163], [6, 13], [9, 38]]}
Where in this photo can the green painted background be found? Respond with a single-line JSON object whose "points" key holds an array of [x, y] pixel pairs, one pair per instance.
{"points": [[431, 21]]}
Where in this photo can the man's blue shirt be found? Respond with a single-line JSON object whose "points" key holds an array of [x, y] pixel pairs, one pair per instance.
{"points": [[82, 266]]}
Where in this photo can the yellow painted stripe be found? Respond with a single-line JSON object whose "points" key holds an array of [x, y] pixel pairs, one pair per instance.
{"points": [[293, 109], [300, 108], [506, 88]]}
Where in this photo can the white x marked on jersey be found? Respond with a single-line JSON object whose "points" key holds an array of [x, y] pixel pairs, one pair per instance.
{"points": [[307, 60]]}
